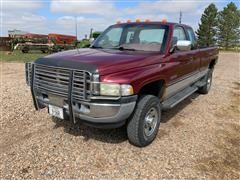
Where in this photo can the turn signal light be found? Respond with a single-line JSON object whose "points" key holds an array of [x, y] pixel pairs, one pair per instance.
{"points": [[138, 20], [164, 20], [128, 21]]}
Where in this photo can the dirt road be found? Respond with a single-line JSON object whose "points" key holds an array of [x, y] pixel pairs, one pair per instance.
{"points": [[200, 138]]}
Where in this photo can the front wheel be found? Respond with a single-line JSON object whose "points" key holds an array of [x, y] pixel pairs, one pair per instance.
{"points": [[143, 126]]}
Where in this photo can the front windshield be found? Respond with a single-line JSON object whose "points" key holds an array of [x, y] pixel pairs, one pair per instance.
{"points": [[145, 37]]}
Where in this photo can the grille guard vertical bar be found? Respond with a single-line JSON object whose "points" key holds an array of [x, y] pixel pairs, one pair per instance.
{"points": [[32, 88], [71, 113]]}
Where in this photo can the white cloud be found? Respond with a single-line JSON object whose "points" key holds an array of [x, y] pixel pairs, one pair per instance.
{"points": [[20, 15], [64, 20], [32, 18], [82, 7], [155, 11], [24, 21], [20, 5], [162, 6], [96, 14], [84, 24]]}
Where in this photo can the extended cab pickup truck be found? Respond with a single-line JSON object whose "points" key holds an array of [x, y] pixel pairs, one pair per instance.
{"points": [[131, 72]]}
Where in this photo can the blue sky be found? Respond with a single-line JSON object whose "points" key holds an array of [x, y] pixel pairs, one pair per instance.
{"points": [[58, 16]]}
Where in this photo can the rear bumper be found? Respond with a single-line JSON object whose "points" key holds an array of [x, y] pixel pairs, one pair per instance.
{"points": [[99, 113]]}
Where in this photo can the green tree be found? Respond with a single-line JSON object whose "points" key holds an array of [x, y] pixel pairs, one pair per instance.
{"points": [[96, 34], [229, 26], [207, 28]]}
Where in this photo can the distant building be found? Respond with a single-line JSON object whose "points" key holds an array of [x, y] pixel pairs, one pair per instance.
{"points": [[16, 33]]}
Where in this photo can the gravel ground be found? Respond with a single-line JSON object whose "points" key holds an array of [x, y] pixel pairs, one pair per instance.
{"points": [[200, 138]]}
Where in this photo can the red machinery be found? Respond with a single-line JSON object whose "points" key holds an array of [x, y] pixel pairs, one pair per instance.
{"points": [[32, 36], [61, 38], [51, 38], [45, 43]]}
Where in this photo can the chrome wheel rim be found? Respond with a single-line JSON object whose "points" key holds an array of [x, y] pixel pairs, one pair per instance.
{"points": [[150, 121], [209, 81]]}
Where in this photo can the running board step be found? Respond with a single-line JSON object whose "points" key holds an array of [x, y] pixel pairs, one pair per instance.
{"points": [[177, 98], [200, 83]]}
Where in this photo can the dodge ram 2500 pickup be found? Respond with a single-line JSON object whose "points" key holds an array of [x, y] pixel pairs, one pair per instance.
{"points": [[130, 73]]}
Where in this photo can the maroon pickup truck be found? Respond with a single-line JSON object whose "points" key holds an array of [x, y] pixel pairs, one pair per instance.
{"points": [[131, 72]]}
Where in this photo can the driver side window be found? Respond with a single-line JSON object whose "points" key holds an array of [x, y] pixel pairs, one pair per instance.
{"points": [[178, 34]]}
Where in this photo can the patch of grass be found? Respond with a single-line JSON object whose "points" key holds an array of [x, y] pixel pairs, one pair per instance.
{"points": [[236, 49], [18, 56]]}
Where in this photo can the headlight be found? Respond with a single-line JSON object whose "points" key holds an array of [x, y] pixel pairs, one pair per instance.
{"points": [[109, 89], [113, 89]]}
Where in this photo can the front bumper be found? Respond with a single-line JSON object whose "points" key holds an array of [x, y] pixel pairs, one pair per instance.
{"points": [[49, 87], [98, 113]]}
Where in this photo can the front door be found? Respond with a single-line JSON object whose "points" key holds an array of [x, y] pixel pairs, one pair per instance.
{"points": [[185, 67]]}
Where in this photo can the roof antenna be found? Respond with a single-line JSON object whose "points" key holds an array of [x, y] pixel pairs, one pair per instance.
{"points": [[76, 26], [76, 31], [180, 17]]}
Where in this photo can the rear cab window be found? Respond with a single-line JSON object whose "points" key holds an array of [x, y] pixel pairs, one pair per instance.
{"points": [[191, 37], [151, 36]]}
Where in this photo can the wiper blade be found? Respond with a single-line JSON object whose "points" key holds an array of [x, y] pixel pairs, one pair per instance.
{"points": [[96, 47], [128, 49]]}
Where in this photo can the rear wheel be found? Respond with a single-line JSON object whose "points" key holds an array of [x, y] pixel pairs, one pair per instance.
{"points": [[143, 126], [44, 51], [208, 83], [25, 49]]}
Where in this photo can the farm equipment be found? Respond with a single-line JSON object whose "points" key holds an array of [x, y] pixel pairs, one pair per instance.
{"points": [[45, 43]]}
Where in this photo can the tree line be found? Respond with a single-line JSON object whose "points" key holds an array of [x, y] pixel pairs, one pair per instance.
{"points": [[220, 28]]}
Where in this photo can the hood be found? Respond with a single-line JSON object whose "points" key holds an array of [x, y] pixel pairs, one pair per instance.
{"points": [[100, 60]]}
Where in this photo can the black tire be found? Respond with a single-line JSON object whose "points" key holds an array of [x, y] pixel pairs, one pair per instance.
{"points": [[44, 51], [136, 127], [25, 49], [208, 82]]}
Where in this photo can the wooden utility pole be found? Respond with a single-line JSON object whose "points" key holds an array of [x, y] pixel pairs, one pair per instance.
{"points": [[180, 17], [76, 27], [91, 31]]}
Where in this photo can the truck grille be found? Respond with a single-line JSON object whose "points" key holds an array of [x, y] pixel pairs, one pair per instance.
{"points": [[28, 73], [54, 80], [81, 85]]}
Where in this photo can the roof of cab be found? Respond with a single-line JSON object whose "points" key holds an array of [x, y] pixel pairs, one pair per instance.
{"points": [[153, 22]]}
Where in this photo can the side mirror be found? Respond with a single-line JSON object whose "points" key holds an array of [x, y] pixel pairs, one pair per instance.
{"points": [[184, 45]]}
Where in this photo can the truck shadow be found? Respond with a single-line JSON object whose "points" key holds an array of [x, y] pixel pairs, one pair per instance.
{"points": [[117, 135], [169, 114], [79, 129]]}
